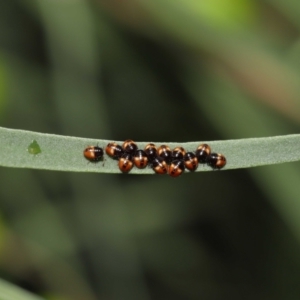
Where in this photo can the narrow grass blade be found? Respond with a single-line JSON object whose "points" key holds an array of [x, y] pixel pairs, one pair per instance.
{"points": [[26, 149]]}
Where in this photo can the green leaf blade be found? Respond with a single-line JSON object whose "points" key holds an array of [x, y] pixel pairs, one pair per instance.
{"points": [[65, 153]]}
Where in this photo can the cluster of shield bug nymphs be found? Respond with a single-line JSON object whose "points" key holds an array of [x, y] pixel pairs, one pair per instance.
{"points": [[161, 159]]}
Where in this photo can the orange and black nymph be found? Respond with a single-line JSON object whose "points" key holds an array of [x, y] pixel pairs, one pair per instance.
{"points": [[203, 152], [178, 153], [165, 152], [159, 166], [125, 163], [216, 161], [190, 161], [93, 153], [140, 159], [129, 146], [176, 168], [114, 150], [151, 151]]}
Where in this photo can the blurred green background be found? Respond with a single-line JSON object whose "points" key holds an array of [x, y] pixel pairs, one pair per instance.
{"points": [[160, 70]]}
